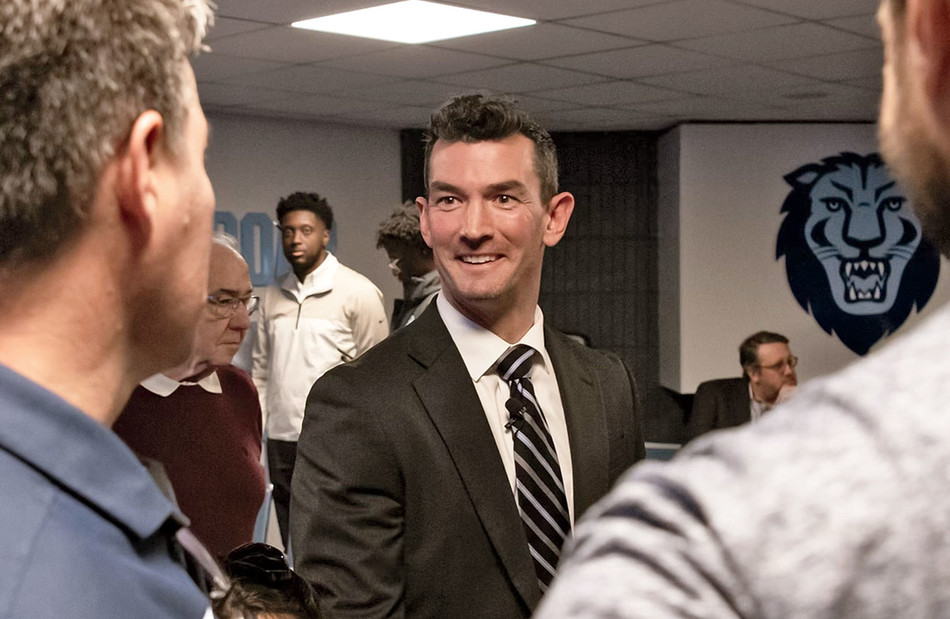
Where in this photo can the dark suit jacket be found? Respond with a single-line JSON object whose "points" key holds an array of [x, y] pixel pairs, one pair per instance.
{"points": [[720, 403], [401, 505]]}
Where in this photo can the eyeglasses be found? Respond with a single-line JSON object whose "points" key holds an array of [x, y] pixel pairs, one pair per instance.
{"points": [[394, 266], [225, 307], [258, 562], [790, 362]]}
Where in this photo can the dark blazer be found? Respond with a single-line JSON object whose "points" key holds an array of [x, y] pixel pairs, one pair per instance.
{"points": [[400, 503], [720, 403]]}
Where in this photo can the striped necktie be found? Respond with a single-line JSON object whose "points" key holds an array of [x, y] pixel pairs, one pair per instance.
{"points": [[540, 489]]}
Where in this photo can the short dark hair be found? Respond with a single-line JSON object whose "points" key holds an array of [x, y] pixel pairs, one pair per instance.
{"points": [[402, 228], [304, 201], [749, 348], [296, 599], [478, 118]]}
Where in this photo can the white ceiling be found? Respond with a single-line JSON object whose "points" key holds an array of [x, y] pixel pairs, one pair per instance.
{"points": [[587, 64]]}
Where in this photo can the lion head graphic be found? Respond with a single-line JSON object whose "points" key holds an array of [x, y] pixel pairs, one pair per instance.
{"points": [[853, 248]]}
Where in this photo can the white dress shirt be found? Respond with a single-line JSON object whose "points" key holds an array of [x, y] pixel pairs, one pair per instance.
{"points": [[481, 351]]}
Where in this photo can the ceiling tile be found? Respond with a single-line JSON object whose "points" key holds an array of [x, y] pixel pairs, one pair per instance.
{"points": [[535, 105], [212, 67], [836, 67], [874, 83], [732, 60], [817, 9], [226, 27], [411, 92], [837, 97], [320, 105], [522, 77], [222, 95], [865, 25], [728, 81], [548, 10], [287, 11], [779, 43], [589, 119], [310, 79], [415, 61], [707, 108], [285, 44], [683, 19], [391, 116], [610, 93], [640, 61], [538, 42]]}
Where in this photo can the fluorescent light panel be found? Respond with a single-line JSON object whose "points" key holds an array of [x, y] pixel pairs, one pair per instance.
{"points": [[413, 21]]}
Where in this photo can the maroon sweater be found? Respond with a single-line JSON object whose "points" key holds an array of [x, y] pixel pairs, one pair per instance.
{"points": [[210, 446]]}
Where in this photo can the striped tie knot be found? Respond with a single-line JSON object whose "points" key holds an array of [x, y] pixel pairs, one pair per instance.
{"points": [[516, 363]]}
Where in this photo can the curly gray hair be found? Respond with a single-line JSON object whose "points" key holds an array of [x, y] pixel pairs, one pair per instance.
{"points": [[74, 76]]}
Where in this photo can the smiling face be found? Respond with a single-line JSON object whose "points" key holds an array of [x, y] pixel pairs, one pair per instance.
{"points": [[487, 226]]}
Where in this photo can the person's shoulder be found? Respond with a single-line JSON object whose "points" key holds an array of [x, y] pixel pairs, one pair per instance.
{"points": [[234, 378], [272, 290], [353, 277], [719, 384], [400, 351], [585, 354]]}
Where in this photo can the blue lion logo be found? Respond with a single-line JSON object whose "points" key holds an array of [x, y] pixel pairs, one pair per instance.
{"points": [[854, 253]]}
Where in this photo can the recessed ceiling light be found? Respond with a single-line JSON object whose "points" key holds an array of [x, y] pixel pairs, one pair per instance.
{"points": [[413, 21]]}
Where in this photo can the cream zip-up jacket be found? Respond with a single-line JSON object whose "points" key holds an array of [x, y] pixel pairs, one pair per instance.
{"points": [[306, 328]]}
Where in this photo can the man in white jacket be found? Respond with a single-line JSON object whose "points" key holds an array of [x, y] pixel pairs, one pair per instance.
{"points": [[316, 317]]}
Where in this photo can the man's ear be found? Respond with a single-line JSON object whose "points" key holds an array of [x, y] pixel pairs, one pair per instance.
{"points": [[928, 27], [559, 213], [137, 183], [423, 222]]}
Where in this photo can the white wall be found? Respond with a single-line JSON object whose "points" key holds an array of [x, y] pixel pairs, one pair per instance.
{"points": [[253, 162], [718, 231]]}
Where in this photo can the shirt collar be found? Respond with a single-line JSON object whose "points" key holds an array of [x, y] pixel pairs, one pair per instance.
{"points": [[161, 385], [318, 281], [480, 348]]}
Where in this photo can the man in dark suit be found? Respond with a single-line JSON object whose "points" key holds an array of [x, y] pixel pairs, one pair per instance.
{"points": [[768, 377], [409, 495]]}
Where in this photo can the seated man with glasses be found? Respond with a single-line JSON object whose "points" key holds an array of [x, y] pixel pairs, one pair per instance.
{"points": [[202, 420], [768, 378]]}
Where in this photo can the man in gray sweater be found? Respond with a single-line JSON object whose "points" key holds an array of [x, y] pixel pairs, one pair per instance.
{"points": [[835, 505]]}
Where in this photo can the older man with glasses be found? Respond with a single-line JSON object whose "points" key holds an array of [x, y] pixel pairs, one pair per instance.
{"points": [[202, 420], [768, 378]]}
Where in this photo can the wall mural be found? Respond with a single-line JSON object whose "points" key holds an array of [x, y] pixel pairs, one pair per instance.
{"points": [[854, 254]]}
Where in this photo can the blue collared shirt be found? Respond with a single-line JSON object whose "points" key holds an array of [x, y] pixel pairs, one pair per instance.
{"points": [[84, 531]]}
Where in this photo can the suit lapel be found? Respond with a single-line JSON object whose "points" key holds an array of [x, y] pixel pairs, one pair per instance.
{"points": [[453, 406], [586, 422], [740, 403]]}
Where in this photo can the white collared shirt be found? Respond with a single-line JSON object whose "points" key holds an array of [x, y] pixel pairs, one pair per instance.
{"points": [[161, 385], [481, 351]]}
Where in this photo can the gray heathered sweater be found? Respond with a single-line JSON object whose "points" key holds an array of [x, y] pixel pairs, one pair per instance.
{"points": [[837, 504]]}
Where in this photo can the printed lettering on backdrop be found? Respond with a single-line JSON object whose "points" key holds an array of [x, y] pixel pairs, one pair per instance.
{"points": [[260, 244], [854, 254]]}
